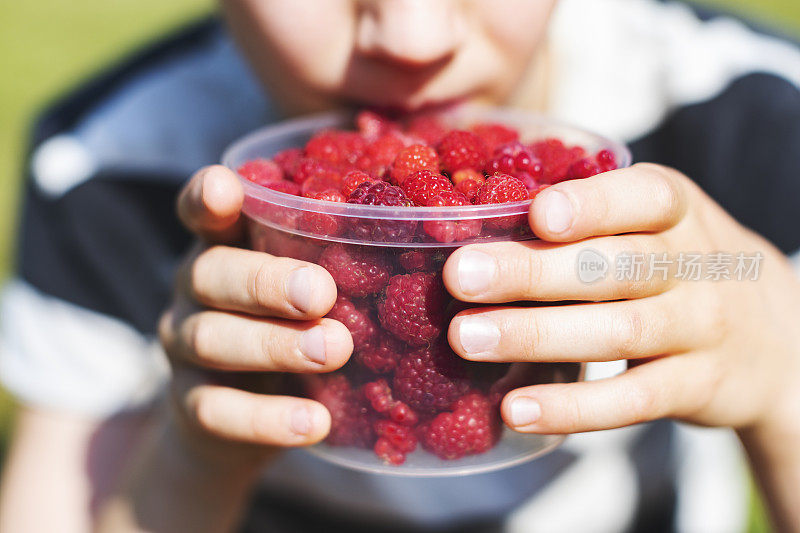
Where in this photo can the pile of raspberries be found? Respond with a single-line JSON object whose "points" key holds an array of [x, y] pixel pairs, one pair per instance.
{"points": [[404, 388], [420, 163]]}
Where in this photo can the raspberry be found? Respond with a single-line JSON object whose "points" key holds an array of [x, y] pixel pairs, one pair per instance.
{"points": [[451, 230], [469, 188], [516, 160], [316, 185], [501, 189], [386, 451], [426, 128], [423, 185], [402, 437], [380, 397], [533, 193], [261, 171], [416, 259], [380, 154], [322, 223], [381, 355], [462, 149], [284, 186], [283, 244], [493, 135], [351, 423], [356, 318], [307, 168], [412, 159], [606, 160], [583, 168], [352, 180], [471, 428], [288, 160], [357, 270], [372, 125], [556, 159], [430, 379], [381, 193], [412, 306], [467, 174], [335, 146]]}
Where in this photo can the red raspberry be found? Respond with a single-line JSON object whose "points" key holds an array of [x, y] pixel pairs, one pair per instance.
{"points": [[322, 223], [288, 160], [381, 355], [381, 193], [417, 259], [493, 135], [386, 451], [462, 149], [357, 319], [467, 174], [516, 160], [285, 186], [335, 146], [261, 171], [358, 270], [372, 125], [380, 397], [472, 428], [533, 193], [455, 230], [426, 128], [352, 180], [380, 154], [316, 185], [556, 159], [412, 307], [402, 437], [412, 159], [470, 188], [423, 185], [307, 168], [430, 379], [283, 244], [501, 189], [606, 160], [351, 423], [583, 168]]}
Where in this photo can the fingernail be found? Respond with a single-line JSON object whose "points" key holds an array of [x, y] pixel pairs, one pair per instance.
{"points": [[312, 344], [478, 335], [475, 271], [300, 421], [299, 287], [525, 411], [557, 212]]}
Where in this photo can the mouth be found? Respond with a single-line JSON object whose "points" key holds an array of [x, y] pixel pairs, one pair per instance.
{"points": [[412, 108]]}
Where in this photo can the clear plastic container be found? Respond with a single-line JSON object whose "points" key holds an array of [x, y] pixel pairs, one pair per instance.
{"points": [[400, 241]]}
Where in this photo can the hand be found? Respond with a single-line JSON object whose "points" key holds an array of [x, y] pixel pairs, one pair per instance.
{"points": [[723, 353], [237, 315]]}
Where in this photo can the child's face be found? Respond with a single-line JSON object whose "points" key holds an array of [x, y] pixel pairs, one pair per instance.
{"points": [[406, 54]]}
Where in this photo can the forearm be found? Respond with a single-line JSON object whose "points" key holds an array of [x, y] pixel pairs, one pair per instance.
{"points": [[774, 452], [174, 489]]}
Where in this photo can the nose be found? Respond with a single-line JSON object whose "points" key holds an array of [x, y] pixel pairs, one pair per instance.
{"points": [[411, 32]]}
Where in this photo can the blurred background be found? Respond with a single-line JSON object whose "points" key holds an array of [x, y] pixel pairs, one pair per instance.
{"points": [[49, 46]]}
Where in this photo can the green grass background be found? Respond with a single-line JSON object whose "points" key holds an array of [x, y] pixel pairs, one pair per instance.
{"points": [[48, 46]]}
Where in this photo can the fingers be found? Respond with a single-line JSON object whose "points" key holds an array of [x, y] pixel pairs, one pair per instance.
{"points": [[516, 271], [644, 197], [210, 204], [225, 341], [259, 284], [585, 332], [237, 415], [668, 387]]}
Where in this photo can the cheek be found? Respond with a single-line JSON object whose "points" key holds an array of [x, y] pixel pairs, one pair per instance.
{"points": [[312, 38], [515, 26]]}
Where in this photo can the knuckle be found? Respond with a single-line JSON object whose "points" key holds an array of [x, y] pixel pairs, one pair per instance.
{"points": [[530, 270], [201, 337], [166, 328], [641, 402], [259, 285], [271, 345], [202, 408], [628, 334], [667, 190], [261, 426], [532, 335]]}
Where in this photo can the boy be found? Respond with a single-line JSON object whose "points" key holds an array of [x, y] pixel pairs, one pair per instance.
{"points": [[710, 98]]}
